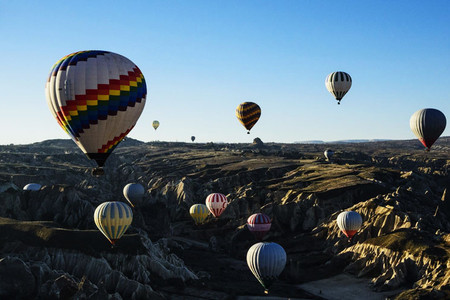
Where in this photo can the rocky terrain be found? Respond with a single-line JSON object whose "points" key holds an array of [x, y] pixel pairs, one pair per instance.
{"points": [[50, 247]]}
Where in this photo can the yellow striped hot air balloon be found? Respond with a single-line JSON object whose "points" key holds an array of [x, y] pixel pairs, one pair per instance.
{"points": [[198, 212], [113, 219], [248, 114], [155, 124]]}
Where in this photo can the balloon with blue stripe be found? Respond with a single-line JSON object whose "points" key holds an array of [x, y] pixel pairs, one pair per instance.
{"points": [[113, 219], [199, 212]]}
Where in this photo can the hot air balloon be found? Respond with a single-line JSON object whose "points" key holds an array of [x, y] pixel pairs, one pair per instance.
{"points": [[216, 203], [248, 114], [338, 84], [259, 224], [198, 212], [192, 138], [32, 187], [328, 154], [133, 192], [155, 124], [97, 98], [428, 125], [113, 219], [349, 222], [266, 261]]}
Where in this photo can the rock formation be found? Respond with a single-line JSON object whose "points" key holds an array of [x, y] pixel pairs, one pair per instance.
{"points": [[49, 241]]}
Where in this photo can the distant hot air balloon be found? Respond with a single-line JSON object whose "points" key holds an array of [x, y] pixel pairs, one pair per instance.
{"points": [[96, 97], [259, 224], [192, 138], [328, 154], [428, 125], [216, 203], [32, 187], [338, 84], [113, 219], [266, 261], [198, 212], [349, 222], [155, 124], [248, 114], [133, 192]]}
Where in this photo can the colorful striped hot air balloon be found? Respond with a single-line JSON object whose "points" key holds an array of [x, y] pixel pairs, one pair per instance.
{"points": [[97, 98], [248, 114], [134, 193], [428, 124], [198, 212], [338, 84], [155, 124], [259, 224], [113, 219], [216, 203], [349, 222], [266, 261]]}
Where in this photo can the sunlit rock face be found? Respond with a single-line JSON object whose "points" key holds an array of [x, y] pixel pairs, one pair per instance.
{"points": [[48, 238]]}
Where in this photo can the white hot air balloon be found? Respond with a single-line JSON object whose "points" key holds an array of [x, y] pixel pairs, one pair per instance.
{"points": [[134, 193], [338, 84], [32, 187], [349, 222], [328, 154], [266, 261]]}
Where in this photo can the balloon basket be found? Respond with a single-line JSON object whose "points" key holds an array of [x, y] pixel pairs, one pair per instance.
{"points": [[98, 172]]}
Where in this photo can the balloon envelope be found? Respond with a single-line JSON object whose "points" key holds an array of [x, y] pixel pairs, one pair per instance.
{"points": [[113, 219], [349, 222], [328, 154], [199, 212], [134, 193], [32, 187], [428, 125], [155, 124], [97, 98], [216, 203], [259, 224], [266, 261], [338, 84], [248, 114], [192, 138]]}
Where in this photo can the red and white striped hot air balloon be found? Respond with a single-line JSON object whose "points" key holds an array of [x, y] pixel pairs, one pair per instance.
{"points": [[349, 222], [259, 224], [216, 203]]}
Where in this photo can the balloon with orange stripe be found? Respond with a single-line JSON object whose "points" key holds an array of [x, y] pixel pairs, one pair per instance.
{"points": [[248, 113], [96, 97]]}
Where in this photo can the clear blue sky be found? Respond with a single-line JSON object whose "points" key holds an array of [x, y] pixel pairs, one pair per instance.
{"points": [[202, 58]]}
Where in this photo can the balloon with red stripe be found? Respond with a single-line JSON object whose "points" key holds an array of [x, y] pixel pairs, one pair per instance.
{"points": [[428, 124], [96, 97], [259, 224], [349, 222], [216, 203]]}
